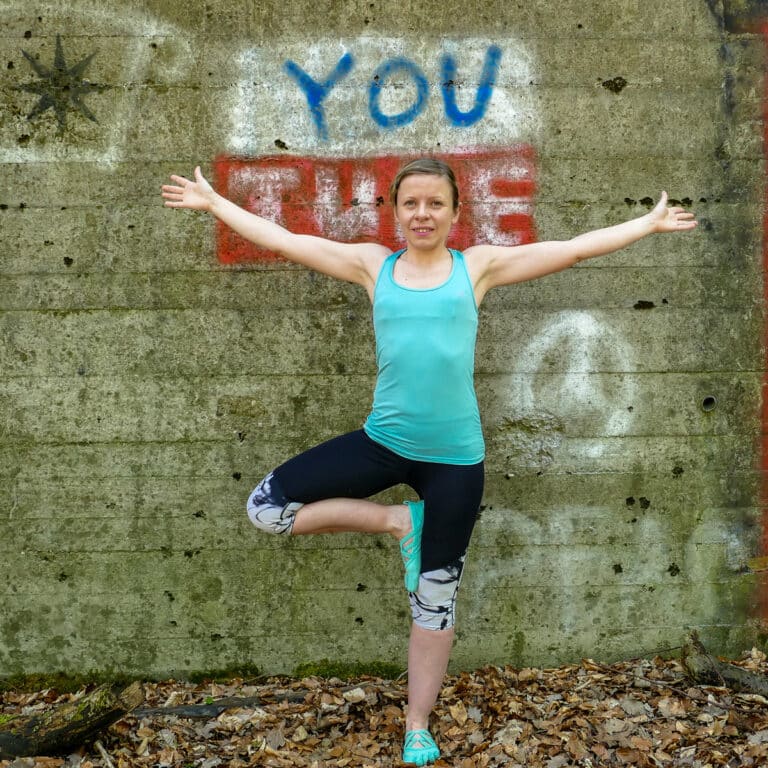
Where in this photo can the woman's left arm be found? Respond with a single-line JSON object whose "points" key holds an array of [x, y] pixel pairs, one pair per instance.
{"points": [[500, 265]]}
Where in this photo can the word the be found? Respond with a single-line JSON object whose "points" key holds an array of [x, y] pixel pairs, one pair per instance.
{"points": [[348, 199]]}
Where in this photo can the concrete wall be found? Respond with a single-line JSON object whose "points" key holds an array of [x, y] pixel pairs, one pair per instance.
{"points": [[152, 369]]}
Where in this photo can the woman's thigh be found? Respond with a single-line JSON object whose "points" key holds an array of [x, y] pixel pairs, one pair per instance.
{"points": [[348, 466], [452, 495]]}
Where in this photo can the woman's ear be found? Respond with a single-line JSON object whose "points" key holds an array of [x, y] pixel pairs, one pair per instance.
{"points": [[456, 213]]}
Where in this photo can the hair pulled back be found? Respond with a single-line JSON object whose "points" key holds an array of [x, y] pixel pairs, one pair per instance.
{"points": [[425, 165]]}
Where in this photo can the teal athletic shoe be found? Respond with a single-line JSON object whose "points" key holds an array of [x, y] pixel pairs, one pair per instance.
{"points": [[420, 748], [410, 546]]}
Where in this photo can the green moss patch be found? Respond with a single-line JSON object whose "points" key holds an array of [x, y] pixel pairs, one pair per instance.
{"points": [[345, 669]]}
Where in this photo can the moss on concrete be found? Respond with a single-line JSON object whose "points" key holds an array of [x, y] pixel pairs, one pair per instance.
{"points": [[347, 669], [223, 675], [58, 681]]}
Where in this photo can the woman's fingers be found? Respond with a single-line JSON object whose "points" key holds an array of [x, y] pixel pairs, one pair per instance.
{"points": [[679, 219], [174, 196]]}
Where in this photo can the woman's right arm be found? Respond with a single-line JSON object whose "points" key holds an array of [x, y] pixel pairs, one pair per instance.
{"points": [[354, 262]]}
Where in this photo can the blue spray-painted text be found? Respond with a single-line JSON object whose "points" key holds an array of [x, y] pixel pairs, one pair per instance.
{"points": [[316, 92]]}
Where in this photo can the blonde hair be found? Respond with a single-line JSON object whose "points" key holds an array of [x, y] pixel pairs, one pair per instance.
{"points": [[429, 166]]}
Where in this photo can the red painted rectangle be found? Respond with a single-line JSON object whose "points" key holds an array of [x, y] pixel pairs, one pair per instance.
{"points": [[347, 199]]}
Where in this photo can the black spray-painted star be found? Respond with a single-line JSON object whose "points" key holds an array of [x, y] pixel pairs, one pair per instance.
{"points": [[61, 88]]}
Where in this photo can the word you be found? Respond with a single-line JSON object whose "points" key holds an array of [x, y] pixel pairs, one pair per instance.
{"points": [[347, 199], [317, 91]]}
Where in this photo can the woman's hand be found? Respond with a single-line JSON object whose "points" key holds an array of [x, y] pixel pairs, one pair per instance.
{"points": [[197, 195], [671, 219]]}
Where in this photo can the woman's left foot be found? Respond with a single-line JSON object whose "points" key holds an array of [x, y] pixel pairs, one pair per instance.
{"points": [[410, 546], [419, 748]]}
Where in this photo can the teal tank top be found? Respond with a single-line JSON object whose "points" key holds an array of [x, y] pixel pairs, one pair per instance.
{"points": [[424, 404]]}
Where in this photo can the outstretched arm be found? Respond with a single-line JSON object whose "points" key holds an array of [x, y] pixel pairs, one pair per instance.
{"points": [[354, 262], [498, 265]]}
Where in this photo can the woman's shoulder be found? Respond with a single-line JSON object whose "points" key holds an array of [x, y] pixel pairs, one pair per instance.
{"points": [[374, 255], [389, 256]]}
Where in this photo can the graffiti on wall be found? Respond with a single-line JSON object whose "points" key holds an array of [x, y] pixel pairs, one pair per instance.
{"points": [[370, 95], [311, 135], [346, 199], [392, 70], [60, 87], [592, 377], [55, 80], [382, 95], [344, 114]]}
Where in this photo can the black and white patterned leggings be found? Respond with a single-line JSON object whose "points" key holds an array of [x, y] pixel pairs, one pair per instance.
{"points": [[354, 466]]}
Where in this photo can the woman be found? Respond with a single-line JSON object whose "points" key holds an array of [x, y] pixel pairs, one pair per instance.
{"points": [[424, 427]]}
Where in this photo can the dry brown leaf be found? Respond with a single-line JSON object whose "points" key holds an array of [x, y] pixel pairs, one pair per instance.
{"points": [[632, 706], [458, 712], [671, 707], [526, 675], [476, 738], [577, 749], [600, 750], [275, 738], [638, 742], [615, 725]]}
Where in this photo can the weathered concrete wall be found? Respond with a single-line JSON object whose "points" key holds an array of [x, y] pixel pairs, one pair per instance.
{"points": [[151, 373]]}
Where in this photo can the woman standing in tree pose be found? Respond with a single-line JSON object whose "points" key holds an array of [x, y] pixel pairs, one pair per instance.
{"points": [[424, 427]]}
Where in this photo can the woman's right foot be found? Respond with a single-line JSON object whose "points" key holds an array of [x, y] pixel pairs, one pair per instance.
{"points": [[419, 748], [410, 546]]}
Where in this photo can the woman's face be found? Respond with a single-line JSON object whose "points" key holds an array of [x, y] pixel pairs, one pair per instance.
{"points": [[425, 210]]}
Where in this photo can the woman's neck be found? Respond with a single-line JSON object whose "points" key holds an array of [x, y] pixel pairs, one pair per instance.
{"points": [[425, 258]]}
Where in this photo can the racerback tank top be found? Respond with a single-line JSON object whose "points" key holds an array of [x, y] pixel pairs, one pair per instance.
{"points": [[424, 404]]}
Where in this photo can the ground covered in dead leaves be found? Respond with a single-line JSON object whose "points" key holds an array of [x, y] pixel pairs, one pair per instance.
{"points": [[639, 713]]}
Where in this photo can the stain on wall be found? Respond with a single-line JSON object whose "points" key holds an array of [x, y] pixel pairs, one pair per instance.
{"points": [[762, 600], [745, 18]]}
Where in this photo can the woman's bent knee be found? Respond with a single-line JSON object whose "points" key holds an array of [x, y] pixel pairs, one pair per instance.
{"points": [[268, 508], [433, 605]]}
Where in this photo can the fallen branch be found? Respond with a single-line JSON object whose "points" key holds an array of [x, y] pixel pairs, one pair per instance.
{"points": [[64, 728], [705, 669], [213, 709], [208, 711]]}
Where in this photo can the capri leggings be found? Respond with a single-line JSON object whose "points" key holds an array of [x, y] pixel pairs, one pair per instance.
{"points": [[354, 466]]}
